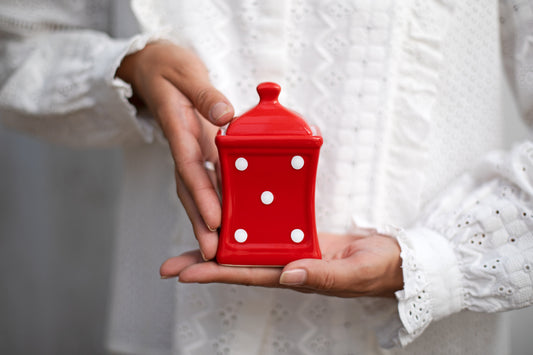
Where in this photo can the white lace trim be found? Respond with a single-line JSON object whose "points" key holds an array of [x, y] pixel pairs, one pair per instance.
{"points": [[475, 251], [432, 281]]}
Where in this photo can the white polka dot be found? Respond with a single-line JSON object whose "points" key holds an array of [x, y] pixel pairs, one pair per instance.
{"points": [[297, 235], [241, 164], [297, 162], [240, 235], [267, 197]]}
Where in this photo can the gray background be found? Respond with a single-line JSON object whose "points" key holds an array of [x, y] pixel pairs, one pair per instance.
{"points": [[57, 213]]}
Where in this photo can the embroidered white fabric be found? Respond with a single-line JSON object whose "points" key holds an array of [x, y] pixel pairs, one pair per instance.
{"points": [[407, 97]]}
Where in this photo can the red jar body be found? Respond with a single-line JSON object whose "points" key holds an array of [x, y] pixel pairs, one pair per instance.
{"points": [[268, 158]]}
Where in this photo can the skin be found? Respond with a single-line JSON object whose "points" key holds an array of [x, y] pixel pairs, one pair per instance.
{"points": [[174, 85], [351, 266]]}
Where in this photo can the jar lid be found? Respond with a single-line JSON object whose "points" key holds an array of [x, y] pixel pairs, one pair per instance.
{"points": [[269, 117]]}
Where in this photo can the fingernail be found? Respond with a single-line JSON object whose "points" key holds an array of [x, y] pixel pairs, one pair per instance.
{"points": [[163, 277], [293, 277], [219, 110], [210, 228], [203, 256]]}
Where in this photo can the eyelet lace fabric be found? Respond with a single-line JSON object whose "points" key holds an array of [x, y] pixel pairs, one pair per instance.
{"points": [[402, 92], [479, 230]]}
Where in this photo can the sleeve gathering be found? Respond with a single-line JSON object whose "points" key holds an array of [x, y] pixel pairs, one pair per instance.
{"points": [[473, 246], [62, 87]]}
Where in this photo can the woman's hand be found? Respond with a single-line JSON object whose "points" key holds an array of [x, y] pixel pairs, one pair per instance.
{"points": [[351, 266], [173, 83]]}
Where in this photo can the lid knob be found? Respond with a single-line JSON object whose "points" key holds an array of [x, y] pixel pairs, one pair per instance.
{"points": [[268, 92]]}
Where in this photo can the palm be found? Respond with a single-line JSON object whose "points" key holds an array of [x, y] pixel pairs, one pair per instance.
{"points": [[351, 266]]}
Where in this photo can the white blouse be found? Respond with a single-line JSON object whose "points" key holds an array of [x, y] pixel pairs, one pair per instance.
{"points": [[407, 96]]}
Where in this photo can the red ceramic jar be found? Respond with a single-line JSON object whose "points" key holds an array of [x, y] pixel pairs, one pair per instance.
{"points": [[268, 159]]}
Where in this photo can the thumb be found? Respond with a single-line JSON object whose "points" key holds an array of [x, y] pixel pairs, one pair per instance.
{"points": [[317, 274], [193, 81], [210, 102]]}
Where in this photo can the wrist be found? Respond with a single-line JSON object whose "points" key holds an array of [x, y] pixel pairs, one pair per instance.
{"points": [[126, 72], [395, 271]]}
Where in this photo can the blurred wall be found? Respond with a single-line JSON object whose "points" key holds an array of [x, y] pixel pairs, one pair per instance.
{"points": [[57, 211], [57, 220]]}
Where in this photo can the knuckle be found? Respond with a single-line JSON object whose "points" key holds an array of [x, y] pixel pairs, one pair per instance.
{"points": [[162, 113], [327, 281], [247, 279], [201, 97], [180, 168], [183, 164], [367, 278]]}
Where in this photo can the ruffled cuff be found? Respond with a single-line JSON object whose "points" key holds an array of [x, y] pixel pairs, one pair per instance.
{"points": [[121, 91], [64, 89], [432, 281]]}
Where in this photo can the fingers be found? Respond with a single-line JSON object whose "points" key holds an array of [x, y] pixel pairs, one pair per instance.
{"points": [[197, 182], [190, 267], [208, 272], [190, 147], [191, 142], [359, 266], [207, 236], [174, 84], [211, 163], [173, 266]]}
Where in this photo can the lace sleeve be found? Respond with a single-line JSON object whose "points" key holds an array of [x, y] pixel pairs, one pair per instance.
{"points": [[58, 83], [473, 249]]}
